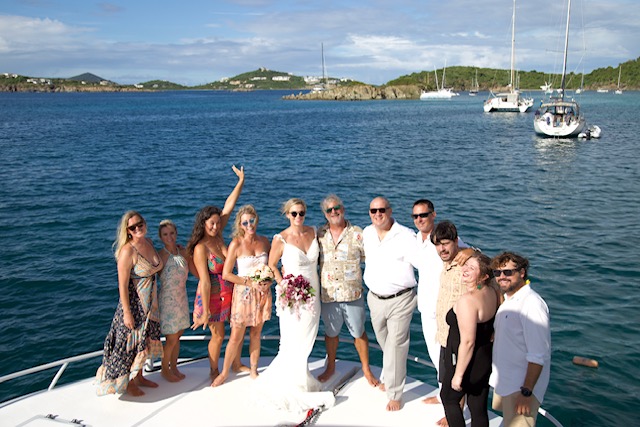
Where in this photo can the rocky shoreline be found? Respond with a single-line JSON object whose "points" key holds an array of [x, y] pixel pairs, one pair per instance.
{"points": [[360, 93], [21, 87]]}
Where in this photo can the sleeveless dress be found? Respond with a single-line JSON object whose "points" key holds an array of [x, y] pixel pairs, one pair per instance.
{"points": [[126, 350], [249, 306], [172, 295], [475, 381], [221, 292], [287, 383]]}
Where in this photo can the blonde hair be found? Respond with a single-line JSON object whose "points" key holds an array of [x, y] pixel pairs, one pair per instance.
{"points": [[238, 231], [122, 234], [286, 206], [166, 223]]}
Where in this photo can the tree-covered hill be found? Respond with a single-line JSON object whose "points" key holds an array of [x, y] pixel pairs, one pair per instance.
{"points": [[460, 78]]}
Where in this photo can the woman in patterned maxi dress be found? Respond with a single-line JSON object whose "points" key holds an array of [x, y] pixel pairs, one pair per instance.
{"points": [[134, 336]]}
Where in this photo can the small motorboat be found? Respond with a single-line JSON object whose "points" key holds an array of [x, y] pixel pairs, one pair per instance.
{"points": [[591, 132]]}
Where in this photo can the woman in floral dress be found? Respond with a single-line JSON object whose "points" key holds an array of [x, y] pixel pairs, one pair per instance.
{"points": [[134, 336]]}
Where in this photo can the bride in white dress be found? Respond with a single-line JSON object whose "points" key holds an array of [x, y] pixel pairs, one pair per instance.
{"points": [[287, 382]]}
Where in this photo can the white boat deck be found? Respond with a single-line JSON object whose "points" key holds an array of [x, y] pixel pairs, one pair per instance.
{"points": [[193, 402]]}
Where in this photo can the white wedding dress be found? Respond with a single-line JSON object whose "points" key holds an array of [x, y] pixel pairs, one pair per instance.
{"points": [[287, 382]]}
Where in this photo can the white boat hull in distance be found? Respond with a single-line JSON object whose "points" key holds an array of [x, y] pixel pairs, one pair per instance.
{"points": [[559, 119], [508, 102], [437, 94]]}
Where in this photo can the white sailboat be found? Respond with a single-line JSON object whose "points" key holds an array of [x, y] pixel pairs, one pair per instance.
{"points": [[475, 86], [509, 101], [581, 88], [619, 91], [560, 117], [440, 92], [322, 86]]}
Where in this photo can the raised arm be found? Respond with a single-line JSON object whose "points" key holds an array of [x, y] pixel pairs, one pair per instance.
{"points": [[204, 286], [467, 314], [230, 203], [125, 263], [277, 248]]}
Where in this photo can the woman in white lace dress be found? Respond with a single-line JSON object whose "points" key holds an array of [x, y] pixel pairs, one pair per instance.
{"points": [[287, 381], [252, 301]]}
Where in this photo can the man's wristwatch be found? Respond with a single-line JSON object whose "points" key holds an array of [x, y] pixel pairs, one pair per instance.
{"points": [[525, 391]]}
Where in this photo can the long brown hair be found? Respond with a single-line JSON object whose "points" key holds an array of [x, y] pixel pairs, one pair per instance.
{"points": [[198, 226]]}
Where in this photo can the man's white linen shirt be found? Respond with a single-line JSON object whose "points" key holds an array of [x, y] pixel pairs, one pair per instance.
{"points": [[522, 335], [388, 269], [429, 265]]}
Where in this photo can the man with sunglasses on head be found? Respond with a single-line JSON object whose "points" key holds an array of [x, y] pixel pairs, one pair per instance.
{"points": [[429, 267], [389, 275], [341, 256], [522, 344]]}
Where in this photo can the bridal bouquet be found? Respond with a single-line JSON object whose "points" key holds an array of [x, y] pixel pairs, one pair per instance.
{"points": [[262, 274], [295, 293]]}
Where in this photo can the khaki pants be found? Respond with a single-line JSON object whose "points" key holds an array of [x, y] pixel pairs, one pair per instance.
{"points": [[507, 404]]}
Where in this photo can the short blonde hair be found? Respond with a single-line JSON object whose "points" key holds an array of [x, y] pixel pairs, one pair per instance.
{"points": [[238, 231], [166, 223]]}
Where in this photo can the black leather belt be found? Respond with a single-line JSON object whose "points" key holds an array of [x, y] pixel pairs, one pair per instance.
{"points": [[397, 294]]}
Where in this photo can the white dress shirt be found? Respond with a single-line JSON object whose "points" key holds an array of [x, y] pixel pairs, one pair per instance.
{"points": [[388, 267], [522, 335]]}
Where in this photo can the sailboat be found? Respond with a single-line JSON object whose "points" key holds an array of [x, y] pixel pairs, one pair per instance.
{"points": [[619, 91], [581, 88], [323, 85], [475, 87], [440, 92], [560, 117], [509, 101]]}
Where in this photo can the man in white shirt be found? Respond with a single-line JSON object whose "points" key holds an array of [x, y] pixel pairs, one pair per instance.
{"points": [[522, 344], [389, 275]]}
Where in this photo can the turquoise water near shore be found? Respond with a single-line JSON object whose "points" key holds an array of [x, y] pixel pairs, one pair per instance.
{"points": [[71, 164]]}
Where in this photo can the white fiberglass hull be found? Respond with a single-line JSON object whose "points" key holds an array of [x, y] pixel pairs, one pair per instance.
{"points": [[508, 103], [437, 94]]}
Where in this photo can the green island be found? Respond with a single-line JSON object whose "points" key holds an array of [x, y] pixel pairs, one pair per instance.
{"points": [[459, 78]]}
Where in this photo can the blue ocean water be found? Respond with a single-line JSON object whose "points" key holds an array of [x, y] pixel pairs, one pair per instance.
{"points": [[71, 164]]}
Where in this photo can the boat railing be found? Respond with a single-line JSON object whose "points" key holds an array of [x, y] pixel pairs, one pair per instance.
{"points": [[64, 363]]}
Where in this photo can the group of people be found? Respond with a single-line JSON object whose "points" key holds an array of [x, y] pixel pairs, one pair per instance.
{"points": [[482, 323]]}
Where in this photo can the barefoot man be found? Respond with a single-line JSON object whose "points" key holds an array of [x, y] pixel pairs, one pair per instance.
{"points": [[341, 256], [389, 275]]}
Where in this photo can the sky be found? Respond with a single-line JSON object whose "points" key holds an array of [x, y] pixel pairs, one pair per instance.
{"points": [[194, 42]]}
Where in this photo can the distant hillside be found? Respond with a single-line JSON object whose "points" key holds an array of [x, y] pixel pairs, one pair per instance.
{"points": [[87, 77], [460, 78]]}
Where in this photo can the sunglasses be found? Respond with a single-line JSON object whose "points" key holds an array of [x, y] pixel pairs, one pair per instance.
{"points": [[508, 272], [334, 208], [134, 226], [376, 210], [250, 221], [421, 215], [295, 214]]}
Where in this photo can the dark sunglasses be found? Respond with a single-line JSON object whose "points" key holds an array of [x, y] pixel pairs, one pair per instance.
{"points": [[134, 226], [421, 215], [508, 272], [295, 214], [334, 208], [376, 210], [246, 223]]}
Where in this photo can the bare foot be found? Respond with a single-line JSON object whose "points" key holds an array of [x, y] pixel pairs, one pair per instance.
{"points": [[373, 381], [241, 368], [394, 405], [443, 422], [328, 373], [382, 387], [178, 374], [134, 390], [143, 382], [431, 400], [220, 379], [254, 372], [213, 374], [169, 376]]}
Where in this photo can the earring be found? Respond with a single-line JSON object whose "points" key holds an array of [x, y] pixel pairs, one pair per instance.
{"points": [[129, 236]]}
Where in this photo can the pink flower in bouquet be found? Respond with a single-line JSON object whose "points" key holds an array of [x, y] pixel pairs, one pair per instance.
{"points": [[295, 293]]}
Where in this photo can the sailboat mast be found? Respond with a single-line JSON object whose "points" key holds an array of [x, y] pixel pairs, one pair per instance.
{"points": [[513, 45], [566, 47], [324, 77]]}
